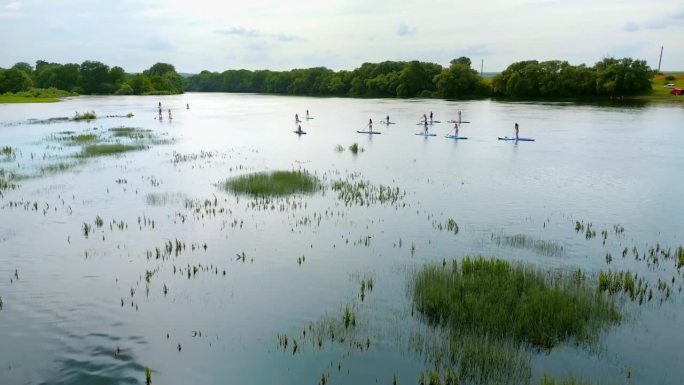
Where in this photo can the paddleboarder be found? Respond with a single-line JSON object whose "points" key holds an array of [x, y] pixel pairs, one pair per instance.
{"points": [[426, 127], [387, 121], [455, 129], [517, 129], [430, 117], [299, 129], [297, 118], [370, 125]]}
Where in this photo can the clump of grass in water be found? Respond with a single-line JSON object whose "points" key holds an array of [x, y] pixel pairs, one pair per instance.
{"points": [[496, 297], [88, 115], [130, 132], [148, 376], [339, 148], [83, 138], [273, 183], [354, 148], [548, 380], [680, 257], [108, 149]]}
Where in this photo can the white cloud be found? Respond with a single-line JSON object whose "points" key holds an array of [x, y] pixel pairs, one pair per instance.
{"points": [[13, 6], [340, 34], [405, 30]]}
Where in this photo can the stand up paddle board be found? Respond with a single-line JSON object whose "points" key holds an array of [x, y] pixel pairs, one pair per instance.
{"points": [[369, 132], [299, 132], [519, 139], [423, 134], [456, 137], [456, 121]]}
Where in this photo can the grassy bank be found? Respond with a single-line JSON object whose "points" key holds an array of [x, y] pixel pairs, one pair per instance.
{"points": [[25, 99], [661, 93], [274, 183]]}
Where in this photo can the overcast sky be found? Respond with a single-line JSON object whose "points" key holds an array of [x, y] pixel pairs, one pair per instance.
{"points": [[340, 34]]}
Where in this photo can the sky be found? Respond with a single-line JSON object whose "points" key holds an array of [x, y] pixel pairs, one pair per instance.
{"points": [[196, 35]]}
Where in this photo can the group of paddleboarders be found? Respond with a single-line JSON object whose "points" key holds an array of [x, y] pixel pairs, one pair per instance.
{"points": [[424, 120], [159, 106]]}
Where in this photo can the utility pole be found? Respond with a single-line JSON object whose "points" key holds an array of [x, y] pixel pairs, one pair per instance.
{"points": [[661, 57]]}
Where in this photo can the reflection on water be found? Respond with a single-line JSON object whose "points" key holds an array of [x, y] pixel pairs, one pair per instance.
{"points": [[115, 263]]}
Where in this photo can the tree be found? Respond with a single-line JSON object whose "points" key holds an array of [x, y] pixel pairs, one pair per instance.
{"points": [[459, 80], [117, 75], [160, 69], [95, 78], [14, 80]]}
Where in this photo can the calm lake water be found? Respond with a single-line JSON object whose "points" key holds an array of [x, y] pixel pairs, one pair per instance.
{"points": [[101, 308]]}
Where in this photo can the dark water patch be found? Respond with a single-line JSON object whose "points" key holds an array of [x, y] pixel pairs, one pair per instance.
{"points": [[522, 241]]}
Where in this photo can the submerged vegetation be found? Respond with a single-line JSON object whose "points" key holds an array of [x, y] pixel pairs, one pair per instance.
{"points": [[523, 241], [274, 183]]}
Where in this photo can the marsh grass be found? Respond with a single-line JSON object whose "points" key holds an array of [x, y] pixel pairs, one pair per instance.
{"points": [[522, 241], [82, 139], [548, 380], [510, 300], [130, 132], [276, 183], [87, 116], [108, 149]]}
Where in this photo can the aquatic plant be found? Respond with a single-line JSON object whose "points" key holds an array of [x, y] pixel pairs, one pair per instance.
{"points": [[339, 148], [276, 183], [513, 300], [108, 149], [83, 138], [354, 148], [148, 376], [0, 303], [88, 115], [680, 256], [546, 379], [130, 132]]}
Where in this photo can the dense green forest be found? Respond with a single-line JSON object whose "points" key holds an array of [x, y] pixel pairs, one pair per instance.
{"points": [[90, 78], [390, 79]]}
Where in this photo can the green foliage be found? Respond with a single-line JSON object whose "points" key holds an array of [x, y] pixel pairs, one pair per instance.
{"points": [[558, 79], [14, 80], [503, 299], [273, 183]]}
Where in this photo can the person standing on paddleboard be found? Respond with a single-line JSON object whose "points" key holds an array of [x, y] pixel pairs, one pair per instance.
{"points": [[426, 126], [387, 121], [430, 117], [296, 118], [517, 129], [370, 124], [456, 129]]}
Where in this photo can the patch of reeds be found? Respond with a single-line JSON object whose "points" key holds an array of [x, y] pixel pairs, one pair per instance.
{"points": [[108, 149], [549, 380], [87, 116], [511, 300], [363, 193], [130, 132], [276, 183]]}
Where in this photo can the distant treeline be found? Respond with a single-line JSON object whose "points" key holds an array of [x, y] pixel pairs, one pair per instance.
{"points": [[390, 79], [90, 78]]}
